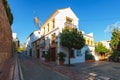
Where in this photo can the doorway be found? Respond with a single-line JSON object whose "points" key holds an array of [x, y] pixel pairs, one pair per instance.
{"points": [[53, 54], [38, 53], [30, 52]]}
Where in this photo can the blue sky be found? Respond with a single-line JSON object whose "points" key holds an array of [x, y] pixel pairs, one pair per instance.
{"points": [[95, 15]]}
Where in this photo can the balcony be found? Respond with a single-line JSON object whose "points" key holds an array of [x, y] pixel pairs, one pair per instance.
{"points": [[69, 25]]}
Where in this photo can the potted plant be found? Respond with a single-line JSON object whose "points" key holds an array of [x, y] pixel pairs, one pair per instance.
{"points": [[47, 56], [61, 58]]}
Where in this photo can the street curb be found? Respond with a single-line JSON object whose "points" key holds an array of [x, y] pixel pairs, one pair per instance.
{"points": [[16, 74], [20, 70]]}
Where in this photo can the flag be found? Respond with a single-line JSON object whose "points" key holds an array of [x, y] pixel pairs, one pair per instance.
{"points": [[36, 20]]}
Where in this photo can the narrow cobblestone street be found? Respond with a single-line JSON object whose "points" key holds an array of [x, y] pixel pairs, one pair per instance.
{"points": [[60, 40], [34, 71]]}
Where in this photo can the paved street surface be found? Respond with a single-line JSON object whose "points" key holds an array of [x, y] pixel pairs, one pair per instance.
{"points": [[97, 71], [109, 69], [33, 70]]}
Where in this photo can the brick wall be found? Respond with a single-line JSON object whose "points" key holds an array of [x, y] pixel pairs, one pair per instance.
{"points": [[5, 37]]}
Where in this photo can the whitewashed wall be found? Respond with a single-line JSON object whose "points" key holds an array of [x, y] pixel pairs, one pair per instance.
{"points": [[35, 35], [79, 55], [61, 18]]}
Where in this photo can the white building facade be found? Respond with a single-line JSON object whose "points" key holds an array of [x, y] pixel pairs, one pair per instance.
{"points": [[14, 36], [32, 37], [50, 37], [106, 43], [52, 28]]}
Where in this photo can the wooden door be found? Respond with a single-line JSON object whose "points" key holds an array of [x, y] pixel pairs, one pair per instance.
{"points": [[38, 54], [53, 54]]}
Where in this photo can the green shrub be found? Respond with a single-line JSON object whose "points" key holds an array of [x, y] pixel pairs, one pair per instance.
{"points": [[115, 56], [62, 56], [47, 56], [8, 11], [89, 57]]}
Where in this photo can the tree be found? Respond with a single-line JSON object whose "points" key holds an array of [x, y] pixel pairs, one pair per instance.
{"points": [[71, 38], [101, 49], [47, 56], [8, 11], [115, 45], [21, 49], [115, 39]]}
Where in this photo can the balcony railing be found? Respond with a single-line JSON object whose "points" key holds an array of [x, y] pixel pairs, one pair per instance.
{"points": [[69, 25]]}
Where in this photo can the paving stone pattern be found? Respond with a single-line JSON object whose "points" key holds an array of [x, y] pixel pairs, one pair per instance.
{"points": [[32, 70], [85, 71]]}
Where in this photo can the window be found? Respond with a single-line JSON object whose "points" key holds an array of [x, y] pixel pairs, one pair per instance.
{"points": [[88, 42], [53, 38], [72, 54], [85, 41], [48, 27], [53, 23], [68, 20], [91, 42], [69, 23], [44, 30], [78, 53]]}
